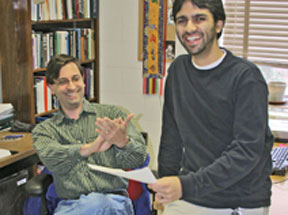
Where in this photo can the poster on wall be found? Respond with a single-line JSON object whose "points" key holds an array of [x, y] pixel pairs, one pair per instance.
{"points": [[156, 42], [170, 32], [154, 38]]}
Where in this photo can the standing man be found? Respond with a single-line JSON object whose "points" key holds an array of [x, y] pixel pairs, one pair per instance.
{"points": [[215, 147], [83, 133]]}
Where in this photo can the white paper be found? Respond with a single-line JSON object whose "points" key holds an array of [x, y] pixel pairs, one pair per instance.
{"points": [[278, 114], [279, 128], [143, 175], [4, 153], [6, 108], [6, 111]]}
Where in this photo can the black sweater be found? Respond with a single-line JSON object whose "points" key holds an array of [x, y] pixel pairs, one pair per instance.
{"points": [[215, 133]]}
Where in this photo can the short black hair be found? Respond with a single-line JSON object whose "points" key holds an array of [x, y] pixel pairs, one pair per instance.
{"points": [[56, 63], [215, 7]]}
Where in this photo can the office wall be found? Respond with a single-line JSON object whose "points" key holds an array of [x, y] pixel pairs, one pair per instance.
{"points": [[121, 72]]}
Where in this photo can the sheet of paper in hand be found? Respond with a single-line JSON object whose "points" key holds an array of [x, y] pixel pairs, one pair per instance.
{"points": [[143, 175]]}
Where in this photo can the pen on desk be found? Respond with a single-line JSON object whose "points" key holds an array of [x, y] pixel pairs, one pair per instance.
{"points": [[16, 136]]}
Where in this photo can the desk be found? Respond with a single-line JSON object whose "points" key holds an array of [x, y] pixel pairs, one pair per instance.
{"points": [[24, 157], [279, 204], [278, 121]]}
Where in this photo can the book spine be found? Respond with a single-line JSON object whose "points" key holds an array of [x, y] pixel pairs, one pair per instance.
{"points": [[93, 8], [45, 94], [77, 9], [39, 88], [69, 9]]}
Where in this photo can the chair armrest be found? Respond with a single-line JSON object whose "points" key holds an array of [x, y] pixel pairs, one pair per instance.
{"points": [[38, 184]]}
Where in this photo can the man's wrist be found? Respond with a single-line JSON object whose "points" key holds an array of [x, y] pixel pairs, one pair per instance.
{"points": [[85, 150]]}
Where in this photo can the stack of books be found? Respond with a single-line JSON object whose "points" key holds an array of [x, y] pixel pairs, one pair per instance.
{"points": [[6, 115]]}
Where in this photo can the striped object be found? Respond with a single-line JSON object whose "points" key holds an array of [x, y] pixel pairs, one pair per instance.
{"points": [[155, 16]]}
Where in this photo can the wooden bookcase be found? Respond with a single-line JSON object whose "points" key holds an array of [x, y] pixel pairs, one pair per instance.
{"points": [[16, 54]]}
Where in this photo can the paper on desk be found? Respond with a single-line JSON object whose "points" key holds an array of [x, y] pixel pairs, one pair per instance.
{"points": [[6, 108], [276, 114], [279, 128], [6, 111], [4, 153], [144, 175]]}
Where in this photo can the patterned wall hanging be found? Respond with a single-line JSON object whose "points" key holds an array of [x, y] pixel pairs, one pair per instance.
{"points": [[155, 21]]}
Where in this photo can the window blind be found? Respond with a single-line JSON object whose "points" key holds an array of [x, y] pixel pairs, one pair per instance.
{"points": [[258, 31]]}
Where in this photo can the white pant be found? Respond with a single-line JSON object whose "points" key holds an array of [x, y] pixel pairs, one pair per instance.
{"points": [[185, 208]]}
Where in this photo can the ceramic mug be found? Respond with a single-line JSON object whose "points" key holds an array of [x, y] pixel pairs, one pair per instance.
{"points": [[276, 91]]}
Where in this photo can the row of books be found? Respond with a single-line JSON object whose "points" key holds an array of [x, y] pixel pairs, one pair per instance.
{"points": [[89, 82], [45, 101], [6, 115], [63, 9], [77, 42]]}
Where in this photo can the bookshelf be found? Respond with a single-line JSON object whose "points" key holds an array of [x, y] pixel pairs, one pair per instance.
{"points": [[17, 60]]}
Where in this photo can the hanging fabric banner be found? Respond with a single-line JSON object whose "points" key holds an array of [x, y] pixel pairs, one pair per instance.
{"points": [[155, 12]]}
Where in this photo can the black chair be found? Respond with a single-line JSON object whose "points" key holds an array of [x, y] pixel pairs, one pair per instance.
{"points": [[37, 186]]}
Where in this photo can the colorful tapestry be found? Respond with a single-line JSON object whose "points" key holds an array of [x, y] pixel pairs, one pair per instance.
{"points": [[155, 12]]}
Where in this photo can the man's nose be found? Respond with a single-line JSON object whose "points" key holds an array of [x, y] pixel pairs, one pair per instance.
{"points": [[190, 26], [71, 84]]}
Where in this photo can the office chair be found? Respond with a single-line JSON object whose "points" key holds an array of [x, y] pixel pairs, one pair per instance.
{"points": [[42, 186]]}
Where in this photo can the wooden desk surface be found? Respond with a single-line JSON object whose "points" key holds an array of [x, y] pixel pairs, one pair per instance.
{"points": [[22, 146]]}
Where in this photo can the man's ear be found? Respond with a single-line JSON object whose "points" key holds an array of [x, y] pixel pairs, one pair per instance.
{"points": [[51, 88], [219, 26]]}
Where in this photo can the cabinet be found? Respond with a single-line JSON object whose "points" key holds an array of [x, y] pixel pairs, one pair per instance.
{"points": [[16, 62]]}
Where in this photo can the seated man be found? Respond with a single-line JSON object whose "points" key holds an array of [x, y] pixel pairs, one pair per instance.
{"points": [[83, 133]]}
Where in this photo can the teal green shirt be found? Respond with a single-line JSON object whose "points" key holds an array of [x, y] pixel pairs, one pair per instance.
{"points": [[58, 140]]}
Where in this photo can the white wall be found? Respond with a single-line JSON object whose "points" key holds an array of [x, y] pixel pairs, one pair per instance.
{"points": [[121, 72]]}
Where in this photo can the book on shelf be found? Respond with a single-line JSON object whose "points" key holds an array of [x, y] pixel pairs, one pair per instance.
{"points": [[77, 42], [43, 99], [59, 9], [91, 44], [63, 9], [62, 44], [89, 83], [69, 9], [93, 8]]}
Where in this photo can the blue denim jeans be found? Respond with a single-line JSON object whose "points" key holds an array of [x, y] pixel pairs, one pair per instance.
{"points": [[96, 204]]}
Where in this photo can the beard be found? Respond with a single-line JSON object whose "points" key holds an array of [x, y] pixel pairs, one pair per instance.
{"points": [[204, 45]]}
